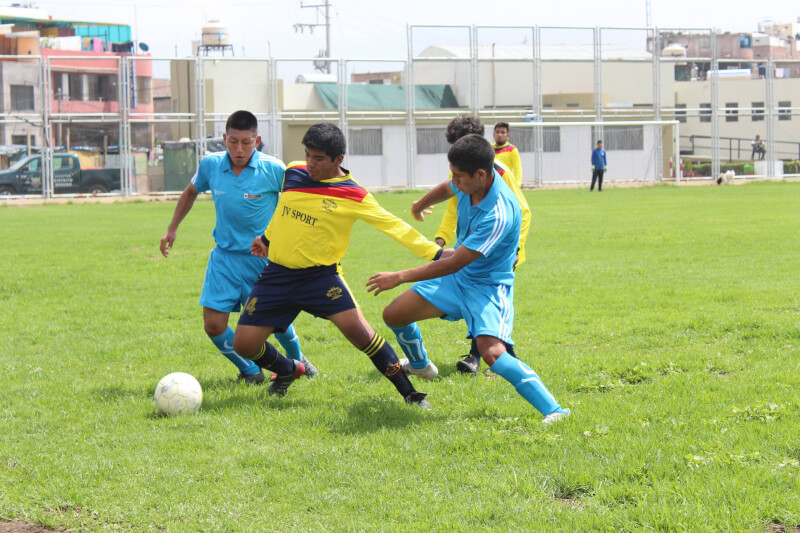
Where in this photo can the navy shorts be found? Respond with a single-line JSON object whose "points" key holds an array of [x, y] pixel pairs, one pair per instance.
{"points": [[281, 293]]}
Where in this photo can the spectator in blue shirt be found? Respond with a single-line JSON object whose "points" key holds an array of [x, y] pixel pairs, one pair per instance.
{"points": [[599, 166]]}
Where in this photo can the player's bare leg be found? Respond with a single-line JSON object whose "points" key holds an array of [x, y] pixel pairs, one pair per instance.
{"points": [[357, 330]]}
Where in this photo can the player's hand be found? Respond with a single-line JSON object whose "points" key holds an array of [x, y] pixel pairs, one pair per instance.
{"points": [[258, 248], [383, 281], [419, 210], [166, 242], [446, 253], [439, 242]]}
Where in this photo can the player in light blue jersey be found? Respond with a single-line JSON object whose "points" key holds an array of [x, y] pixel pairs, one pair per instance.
{"points": [[245, 185], [475, 280]]}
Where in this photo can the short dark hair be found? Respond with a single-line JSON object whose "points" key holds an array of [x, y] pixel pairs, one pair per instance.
{"points": [[326, 137], [464, 125], [502, 125], [242, 120], [472, 153], [599, 141]]}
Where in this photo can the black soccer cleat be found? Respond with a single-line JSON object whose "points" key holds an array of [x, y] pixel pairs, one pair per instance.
{"points": [[311, 370], [418, 399], [251, 379], [469, 364], [281, 384]]}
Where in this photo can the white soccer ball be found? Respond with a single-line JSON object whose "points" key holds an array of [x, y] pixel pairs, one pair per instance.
{"points": [[178, 393]]}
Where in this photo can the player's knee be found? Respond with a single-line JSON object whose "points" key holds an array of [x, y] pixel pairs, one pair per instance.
{"points": [[244, 346], [393, 318], [214, 328]]}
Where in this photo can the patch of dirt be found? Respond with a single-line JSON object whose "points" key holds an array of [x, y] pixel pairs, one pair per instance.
{"points": [[23, 527], [773, 528]]}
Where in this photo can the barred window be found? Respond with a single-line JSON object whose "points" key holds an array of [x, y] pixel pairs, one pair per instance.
{"points": [[705, 112], [680, 112], [731, 112], [432, 141], [784, 110], [366, 142], [22, 98], [621, 137], [552, 139], [758, 111]]}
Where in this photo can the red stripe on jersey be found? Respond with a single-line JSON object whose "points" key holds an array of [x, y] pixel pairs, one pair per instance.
{"points": [[506, 148], [500, 170], [348, 193]]}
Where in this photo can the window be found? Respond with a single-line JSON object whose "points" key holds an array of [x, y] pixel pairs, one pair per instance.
{"points": [[785, 110], [143, 92], [62, 163], [21, 97], [732, 112], [744, 41], [524, 139], [23, 140], [432, 141], [552, 139], [75, 82], [680, 112], [705, 112], [33, 166], [366, 142], [758, 111], [102, 88], [621, 137]]}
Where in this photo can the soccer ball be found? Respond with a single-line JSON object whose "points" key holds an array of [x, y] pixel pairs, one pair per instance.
{"points": [[178, 393]]}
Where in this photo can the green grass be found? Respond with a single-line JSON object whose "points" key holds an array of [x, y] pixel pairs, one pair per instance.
{"points": [[667, 318]]}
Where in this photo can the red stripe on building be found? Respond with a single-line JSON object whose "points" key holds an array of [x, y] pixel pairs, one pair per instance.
{"points": [[348, 193]]}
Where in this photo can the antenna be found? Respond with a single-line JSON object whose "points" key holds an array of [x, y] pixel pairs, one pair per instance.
{"points": [[322, 66]]}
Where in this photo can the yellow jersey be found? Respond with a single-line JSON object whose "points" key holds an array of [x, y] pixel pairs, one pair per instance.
{"points": [[507, 153], [447, 229], [313, 220]]}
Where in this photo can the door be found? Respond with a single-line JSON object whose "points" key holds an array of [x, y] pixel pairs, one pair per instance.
{"points": [[66, 174]]}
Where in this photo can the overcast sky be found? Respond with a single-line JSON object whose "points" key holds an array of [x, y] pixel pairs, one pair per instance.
{"points": [[377, 28]]}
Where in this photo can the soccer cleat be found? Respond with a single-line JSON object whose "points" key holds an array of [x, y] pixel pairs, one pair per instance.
{"points": [[555, 417], [281, 384], [469, 364], [311, 370], [251, 379], [418, 399], [429, 372]]}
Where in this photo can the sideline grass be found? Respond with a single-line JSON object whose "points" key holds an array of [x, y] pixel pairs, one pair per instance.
{"points": [[667, 318]]}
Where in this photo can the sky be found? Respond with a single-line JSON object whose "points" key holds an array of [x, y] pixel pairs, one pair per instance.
{"points": [[377, 29]]}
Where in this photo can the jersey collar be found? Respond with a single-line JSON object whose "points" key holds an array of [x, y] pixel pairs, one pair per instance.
{"points": [[346, 177]]}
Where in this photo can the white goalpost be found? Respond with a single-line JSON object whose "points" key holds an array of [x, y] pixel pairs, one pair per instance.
{"points": [[559, 153]]}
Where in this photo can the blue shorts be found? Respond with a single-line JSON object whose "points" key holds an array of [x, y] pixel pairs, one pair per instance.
{"points": [[487, 309], [281, 293], [229, 278]]}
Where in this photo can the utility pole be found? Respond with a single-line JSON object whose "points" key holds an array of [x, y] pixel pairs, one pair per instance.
{"points": [[301, 27]]}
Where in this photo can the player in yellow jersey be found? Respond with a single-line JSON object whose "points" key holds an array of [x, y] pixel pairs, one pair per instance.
{"points": [[305, 240], [456, 129], [505, 152]]}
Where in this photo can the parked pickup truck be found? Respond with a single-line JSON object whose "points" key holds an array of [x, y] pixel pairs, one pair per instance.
{"points": [[25, 177]]}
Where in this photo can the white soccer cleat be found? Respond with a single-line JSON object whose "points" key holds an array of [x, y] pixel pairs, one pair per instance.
{"points": [[429, 372], [555, 417]]}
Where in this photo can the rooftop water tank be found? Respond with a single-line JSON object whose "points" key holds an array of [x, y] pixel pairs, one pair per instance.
{"points": [[215, 33]]}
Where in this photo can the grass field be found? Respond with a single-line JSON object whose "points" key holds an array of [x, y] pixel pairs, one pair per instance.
{"points": [[667, 318]]}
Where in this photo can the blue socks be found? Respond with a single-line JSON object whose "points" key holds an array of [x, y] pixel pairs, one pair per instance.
{"points": [[224, 344], [410, 340], [527, 383], [290, 343]]}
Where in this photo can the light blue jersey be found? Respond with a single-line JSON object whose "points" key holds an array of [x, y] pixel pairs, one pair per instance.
{"points": [[492, 229], [244, 204]]}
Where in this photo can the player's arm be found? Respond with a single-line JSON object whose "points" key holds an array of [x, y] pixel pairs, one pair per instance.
{"points": [[450, 263], [371, 212], [184, 205], [516, 165], [525, 221], [438, 194], [447, 229]]}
